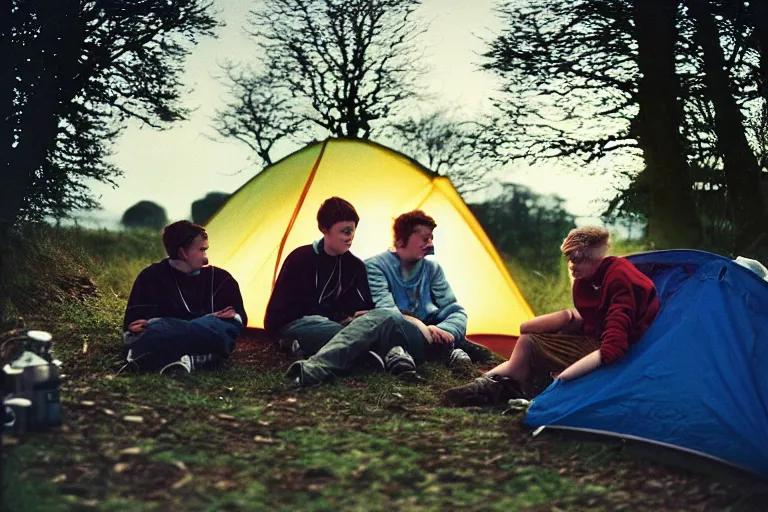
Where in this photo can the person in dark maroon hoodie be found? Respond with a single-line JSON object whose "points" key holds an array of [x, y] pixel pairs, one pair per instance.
{"points": [[182, 313], [615, 305]]}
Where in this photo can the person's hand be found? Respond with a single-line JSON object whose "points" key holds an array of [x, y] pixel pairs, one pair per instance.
{"points": [[439, 335], [137, 326], [349, 319], [422, 328], [225, 314]]}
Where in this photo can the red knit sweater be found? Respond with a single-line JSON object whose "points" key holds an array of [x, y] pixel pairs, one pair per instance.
{"points": [[618, 304]]}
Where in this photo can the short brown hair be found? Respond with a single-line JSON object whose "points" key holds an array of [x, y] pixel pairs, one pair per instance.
{"points": [[335, 209], [181, 234], [406, 224], [593, 241]]}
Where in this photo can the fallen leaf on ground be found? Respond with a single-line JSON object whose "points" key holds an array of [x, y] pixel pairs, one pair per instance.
{"points": [[184, 481], [58, 478], [133, 419], [290, 400], [179, 464], [227, 417], [87, 403], [262, 439], [131, 451], [120, 467], [225, 484], [359, 471], [109, 412], [494, 459]]}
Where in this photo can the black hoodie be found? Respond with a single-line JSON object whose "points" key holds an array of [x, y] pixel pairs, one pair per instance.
{"points": [[312, 282], [162, 291]]}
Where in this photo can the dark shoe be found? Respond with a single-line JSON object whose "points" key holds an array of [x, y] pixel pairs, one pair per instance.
{"points": [[303, 374], [131, 366], [295, 375], [484, 390], [180, 368], [371, 361], [292, 347], [399, 361]]}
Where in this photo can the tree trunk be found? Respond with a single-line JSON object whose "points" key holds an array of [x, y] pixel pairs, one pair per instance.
{"points": [[672, 220], [742, 174]]}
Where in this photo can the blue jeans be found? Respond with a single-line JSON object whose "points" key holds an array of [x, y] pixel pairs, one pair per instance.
{"points": [[337, 347], [167, 339]]}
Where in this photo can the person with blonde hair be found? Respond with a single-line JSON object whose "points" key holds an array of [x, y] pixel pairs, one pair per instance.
{"points": [[614, 305]]}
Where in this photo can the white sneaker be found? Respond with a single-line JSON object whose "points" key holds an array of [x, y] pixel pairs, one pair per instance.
{"points": [[183, 366], [399, 361], [130, 366], [459, 358]]}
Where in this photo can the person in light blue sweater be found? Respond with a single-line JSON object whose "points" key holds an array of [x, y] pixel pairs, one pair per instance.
{"points": [[406, 281]]}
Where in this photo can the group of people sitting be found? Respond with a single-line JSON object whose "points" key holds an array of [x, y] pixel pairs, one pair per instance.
{"points": [[334, 312]]}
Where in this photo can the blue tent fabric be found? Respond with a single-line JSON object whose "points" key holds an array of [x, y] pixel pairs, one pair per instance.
{"points": [[697, 380]]}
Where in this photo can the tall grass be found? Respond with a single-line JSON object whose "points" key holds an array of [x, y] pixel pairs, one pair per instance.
{"points": [[74, 283], [41, 259], [545, 292], [115, 257]]}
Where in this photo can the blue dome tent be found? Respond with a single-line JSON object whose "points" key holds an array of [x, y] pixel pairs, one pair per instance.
{"points": [[698, 379]]}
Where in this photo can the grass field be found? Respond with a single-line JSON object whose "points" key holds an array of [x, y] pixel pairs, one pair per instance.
{"points": [[243, 440]]}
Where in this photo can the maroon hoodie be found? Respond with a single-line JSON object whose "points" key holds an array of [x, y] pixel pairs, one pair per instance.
{"points": [[618, 304]]}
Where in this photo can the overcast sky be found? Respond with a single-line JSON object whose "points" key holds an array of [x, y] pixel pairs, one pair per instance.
{"points": [[177, 166]]}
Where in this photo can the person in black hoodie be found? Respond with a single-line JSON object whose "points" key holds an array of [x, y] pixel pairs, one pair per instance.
{"points": [[322, 305], [182, 312]]}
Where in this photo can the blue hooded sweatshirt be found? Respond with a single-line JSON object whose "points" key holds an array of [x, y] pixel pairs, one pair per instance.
{"points": [[425, 294]]}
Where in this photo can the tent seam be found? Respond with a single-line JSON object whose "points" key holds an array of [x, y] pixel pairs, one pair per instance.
{"points": [[296, 211]]}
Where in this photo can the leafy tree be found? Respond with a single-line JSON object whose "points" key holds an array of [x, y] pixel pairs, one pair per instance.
{"points": [[526, 225], [203, 209], [741, 171], [621, 86], [446, 146], [145, 214], [72, 73], [259, 113], [337, 67]]}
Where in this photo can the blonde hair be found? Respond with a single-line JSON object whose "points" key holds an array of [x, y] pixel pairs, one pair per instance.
{"points": [[592, 241]]}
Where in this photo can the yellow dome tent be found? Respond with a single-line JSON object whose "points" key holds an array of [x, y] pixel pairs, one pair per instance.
{"points": [[275, 212]]}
